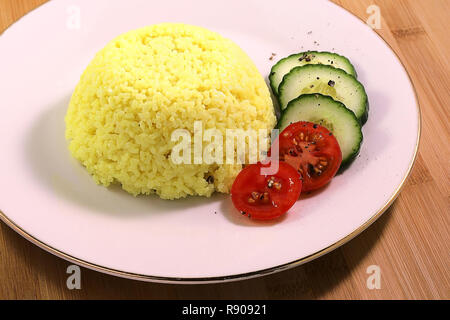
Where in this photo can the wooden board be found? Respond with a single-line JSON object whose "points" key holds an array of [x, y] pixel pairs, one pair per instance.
{"points": [[410, 242]]}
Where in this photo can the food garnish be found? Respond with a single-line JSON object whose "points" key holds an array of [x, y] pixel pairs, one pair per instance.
{"points": [[264, 197], [313, 151]]}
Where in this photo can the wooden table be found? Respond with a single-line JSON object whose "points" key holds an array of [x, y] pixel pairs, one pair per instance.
{"points": [[410, 242]]}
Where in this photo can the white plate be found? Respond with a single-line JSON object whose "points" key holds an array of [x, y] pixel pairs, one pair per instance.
{"points": [[51, 200]]}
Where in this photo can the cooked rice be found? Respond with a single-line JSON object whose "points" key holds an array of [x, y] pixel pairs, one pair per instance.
{"points": [[148, 82]]}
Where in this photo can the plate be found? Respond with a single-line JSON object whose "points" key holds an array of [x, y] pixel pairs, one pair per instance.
{"points": [[50, 199]]}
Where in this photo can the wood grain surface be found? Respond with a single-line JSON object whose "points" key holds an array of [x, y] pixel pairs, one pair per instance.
{"points": [[410, 242]]}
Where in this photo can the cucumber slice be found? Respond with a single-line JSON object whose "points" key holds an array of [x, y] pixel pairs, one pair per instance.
{"points": [[316, 78], [282, 67], [331, 114]]}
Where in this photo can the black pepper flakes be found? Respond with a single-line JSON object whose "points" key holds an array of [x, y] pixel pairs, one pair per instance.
{"points": [[331, 83], [304, 56], [315, 126]]}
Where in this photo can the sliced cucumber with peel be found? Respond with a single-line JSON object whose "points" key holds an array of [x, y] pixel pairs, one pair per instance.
{"points": [[331, 114], [282, 67], [326, 80]]}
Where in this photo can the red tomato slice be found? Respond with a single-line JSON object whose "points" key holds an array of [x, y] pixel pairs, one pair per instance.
{"points": [[265, 197], [313, 151]]}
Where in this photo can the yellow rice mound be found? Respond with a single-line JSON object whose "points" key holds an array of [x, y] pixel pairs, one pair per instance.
{"points": [[148, 82]]}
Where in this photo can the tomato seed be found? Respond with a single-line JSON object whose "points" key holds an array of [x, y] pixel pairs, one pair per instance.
{"points": [[255, 195]]}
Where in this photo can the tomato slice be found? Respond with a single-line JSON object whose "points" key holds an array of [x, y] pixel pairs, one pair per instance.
{"points": [[265, 197], [313, 151]]}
